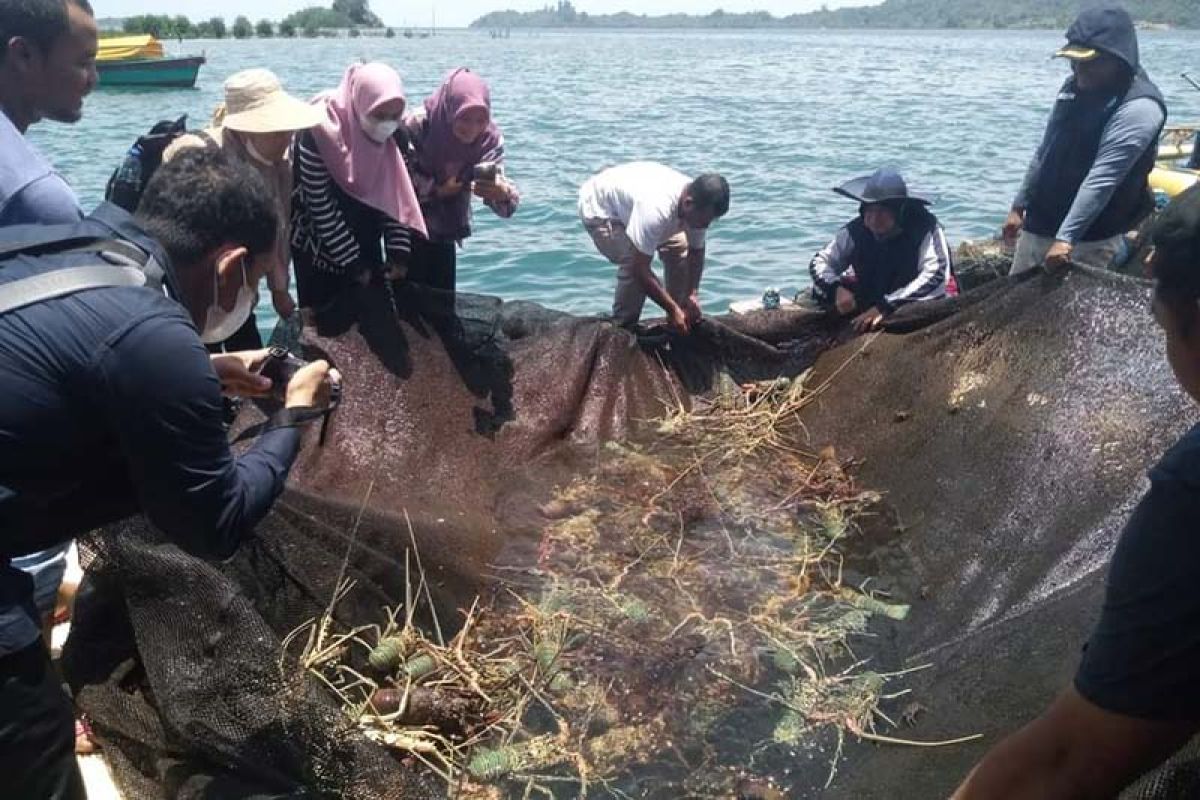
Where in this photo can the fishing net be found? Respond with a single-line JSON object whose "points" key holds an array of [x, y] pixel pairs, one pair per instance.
{"points": [[231, 678], [1012, 440], [541, 557]]}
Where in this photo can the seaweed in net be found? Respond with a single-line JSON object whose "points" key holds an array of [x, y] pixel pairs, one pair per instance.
{"points": [[668, 605]]}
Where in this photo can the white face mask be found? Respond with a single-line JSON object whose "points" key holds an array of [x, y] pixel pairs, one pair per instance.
{"points": [[379, 130], [257, 156], [220, 324]]}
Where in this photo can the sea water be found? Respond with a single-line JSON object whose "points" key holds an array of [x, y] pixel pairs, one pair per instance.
{"points": [[784, 115]]}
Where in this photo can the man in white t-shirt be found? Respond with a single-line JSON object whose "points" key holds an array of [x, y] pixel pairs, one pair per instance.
{"points": [[635, 210]]}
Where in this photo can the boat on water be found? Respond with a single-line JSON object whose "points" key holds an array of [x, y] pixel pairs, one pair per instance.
{"points": [[141, 61], [1177, 165]]}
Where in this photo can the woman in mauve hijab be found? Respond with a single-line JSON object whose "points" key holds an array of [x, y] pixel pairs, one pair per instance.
{"points": [[453, 150]]}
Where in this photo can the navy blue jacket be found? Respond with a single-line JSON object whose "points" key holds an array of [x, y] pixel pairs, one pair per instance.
{"points": [[1076, 128], [1073, 137], [882, 266], [910, 266], [109, 406]]}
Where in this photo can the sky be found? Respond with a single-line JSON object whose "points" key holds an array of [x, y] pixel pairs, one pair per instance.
{"points": [[451, 13]]}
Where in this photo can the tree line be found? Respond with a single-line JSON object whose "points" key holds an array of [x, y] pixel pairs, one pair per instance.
{"points": [[889, 14], [312, 21]]}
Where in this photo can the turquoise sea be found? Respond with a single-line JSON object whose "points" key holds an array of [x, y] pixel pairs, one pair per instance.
{"points": [[785, 116]]}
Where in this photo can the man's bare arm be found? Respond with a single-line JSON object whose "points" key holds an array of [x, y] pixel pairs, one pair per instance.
{"points": [[1076, 750]]}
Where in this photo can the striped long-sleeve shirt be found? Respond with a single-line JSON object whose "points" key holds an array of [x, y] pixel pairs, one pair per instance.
{"points": [[833, 266], [325, 204]]}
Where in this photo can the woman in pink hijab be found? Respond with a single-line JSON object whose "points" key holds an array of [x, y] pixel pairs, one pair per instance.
{"points": [[354, 211], [453, 150]]}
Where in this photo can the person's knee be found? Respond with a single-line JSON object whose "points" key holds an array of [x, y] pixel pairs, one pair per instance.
{"points": [[613, 253], [627, 303]]}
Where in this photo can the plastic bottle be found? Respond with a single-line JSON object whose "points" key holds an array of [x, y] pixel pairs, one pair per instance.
{"points": [[130, 172]]}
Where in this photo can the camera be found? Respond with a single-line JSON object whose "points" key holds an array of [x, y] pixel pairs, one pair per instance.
{"points": [[280, 366], [487, 172]]}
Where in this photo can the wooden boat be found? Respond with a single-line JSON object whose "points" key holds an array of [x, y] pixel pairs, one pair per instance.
{"points": [[141, 61]]}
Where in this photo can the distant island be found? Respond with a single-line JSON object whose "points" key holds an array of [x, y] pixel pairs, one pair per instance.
{"points": [[352, 18], [890, 14]]}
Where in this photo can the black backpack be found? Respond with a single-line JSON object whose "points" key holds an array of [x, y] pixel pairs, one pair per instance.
{"points": [[129, 180]]}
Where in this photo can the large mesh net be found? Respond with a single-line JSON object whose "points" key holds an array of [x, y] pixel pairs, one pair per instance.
{"points": [[539, 556]]}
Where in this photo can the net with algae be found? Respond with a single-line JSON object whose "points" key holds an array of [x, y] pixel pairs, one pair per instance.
{"points": [[689, 626]]}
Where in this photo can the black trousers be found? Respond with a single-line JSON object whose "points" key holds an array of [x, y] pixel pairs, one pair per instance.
{"points": [[433, 264], [37, 730]]}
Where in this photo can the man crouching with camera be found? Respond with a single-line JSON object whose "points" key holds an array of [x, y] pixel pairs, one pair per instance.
{"points": [[110, 406]]}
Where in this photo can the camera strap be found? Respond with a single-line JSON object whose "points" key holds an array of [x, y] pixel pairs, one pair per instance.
{"points": [[291, 418]]}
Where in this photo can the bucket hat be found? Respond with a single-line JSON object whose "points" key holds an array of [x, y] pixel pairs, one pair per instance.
{"points": [[255, 102], [879, 187]]}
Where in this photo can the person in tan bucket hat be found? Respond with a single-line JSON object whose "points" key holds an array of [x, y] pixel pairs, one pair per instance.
{"points": [[256, 125]]}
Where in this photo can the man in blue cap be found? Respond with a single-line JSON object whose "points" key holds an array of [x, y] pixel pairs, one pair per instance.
{"points": [[893, 253], [1087, 184]]}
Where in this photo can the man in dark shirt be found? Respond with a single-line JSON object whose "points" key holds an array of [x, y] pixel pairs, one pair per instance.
{"points": [[110, 406], [1086, 186], [1135, 699], [47, 67]]}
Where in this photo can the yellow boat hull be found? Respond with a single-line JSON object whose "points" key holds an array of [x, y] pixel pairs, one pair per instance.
{"points": [[1175, 148], [1173, 180], [126, 48]]}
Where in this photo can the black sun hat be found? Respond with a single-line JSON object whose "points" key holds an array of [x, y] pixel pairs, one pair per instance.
{"points": [[882, 186]]}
